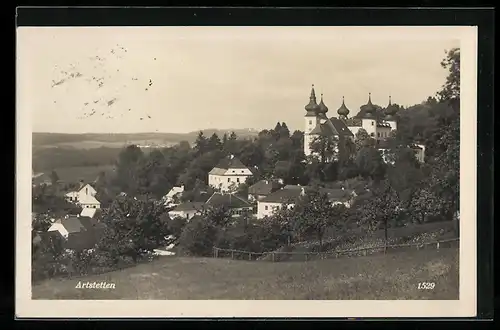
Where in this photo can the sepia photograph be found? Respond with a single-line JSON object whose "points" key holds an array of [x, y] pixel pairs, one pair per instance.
{"points": [[213, 165]]}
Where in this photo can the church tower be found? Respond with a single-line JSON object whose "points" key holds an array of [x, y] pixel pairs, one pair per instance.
{"points": [[390, 113], [368, 121], [311, 120]]}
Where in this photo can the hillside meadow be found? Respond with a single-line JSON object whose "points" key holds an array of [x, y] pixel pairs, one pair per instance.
{"points": [[385, 277]]}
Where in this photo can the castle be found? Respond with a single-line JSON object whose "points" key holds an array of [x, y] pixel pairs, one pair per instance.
{"points": [[344, 127]]}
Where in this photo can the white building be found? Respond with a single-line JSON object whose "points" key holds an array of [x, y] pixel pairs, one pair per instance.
{"points": [[317, 123], [290, 194], [82, 190], [173, 194], [228, 174], [187, 210]]}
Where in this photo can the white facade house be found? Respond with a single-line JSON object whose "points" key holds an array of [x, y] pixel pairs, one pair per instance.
{"points": [[174, 193], [187, 210], [88, 201], [84, 196], [228, 174], [289, 195], [273, 202]]}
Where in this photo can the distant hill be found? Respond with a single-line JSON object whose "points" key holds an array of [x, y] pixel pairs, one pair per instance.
{"points": [[90, 140]]}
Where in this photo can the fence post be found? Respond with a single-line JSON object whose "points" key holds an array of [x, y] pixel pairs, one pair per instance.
{"points": [[249, 255], [272, 255], [437, 245], [306, 256], [232, 254]]}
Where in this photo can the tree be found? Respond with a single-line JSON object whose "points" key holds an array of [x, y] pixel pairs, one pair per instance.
{"points": [[201, 144], [363, 139], [381, 210], [54, 178], [134, 228], [451, 89], [315, 213], [405, 175], [214, 142], [370, 163], [325, 147]]}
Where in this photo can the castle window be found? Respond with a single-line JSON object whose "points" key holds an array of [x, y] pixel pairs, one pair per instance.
{"points": [[373, 123], [228, 179], [310, 122], [372, 134], [378, 134], [238, 180], [266, 207]]}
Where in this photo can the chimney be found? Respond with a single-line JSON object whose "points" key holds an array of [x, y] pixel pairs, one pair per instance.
{"points": [[267, 181], [302, 191]]}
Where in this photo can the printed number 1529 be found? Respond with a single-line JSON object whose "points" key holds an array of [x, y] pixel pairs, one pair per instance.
{"points": [[426, 285]]}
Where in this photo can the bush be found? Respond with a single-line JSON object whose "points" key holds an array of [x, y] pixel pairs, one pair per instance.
{"points": [[198, 237]]}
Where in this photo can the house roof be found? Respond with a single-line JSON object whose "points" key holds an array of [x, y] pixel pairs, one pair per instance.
{"points": [[341, 127], [189, 206], [88, 212], [80, 240], [227, 200], [353, 122], [282, 196], [323, 129], [174, 191], [88, 199], [264, 187], [73, 224], [230, 162], [337, 194], [87, 222]]}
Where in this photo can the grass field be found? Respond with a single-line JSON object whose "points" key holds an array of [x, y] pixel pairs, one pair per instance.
{"points": [[86, 173], [385, 277]]}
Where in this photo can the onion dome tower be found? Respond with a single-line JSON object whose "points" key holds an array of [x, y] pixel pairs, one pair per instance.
{"points": [[390, 111], [312, 107], [322, 108], [343, 111], [369, 107]]}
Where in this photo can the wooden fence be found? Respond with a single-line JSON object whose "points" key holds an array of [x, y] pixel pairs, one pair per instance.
{"points": [[306, 256]]}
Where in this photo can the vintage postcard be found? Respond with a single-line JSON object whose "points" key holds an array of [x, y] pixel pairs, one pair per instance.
{"points": [[246, 171]]}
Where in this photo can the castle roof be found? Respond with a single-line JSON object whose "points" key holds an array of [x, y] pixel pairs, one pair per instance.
{"points": [[391, 109], [312, 106], [369, 108], [343, 110], [322, 108]]}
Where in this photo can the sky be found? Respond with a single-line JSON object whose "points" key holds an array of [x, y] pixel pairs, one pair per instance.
{"points": [[183, 79]]}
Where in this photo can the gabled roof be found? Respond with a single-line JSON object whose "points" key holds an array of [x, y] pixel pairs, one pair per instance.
{"points": [[283, 196], [230, 162], [72, 224], [88, 199], [189, 206], [227, 200], [324, 129], [341, 127], [264, 187], [88, 212]]}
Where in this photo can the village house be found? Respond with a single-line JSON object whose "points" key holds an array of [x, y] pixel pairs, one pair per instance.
{"points": [[262, 188], [173, 195], [228, 174], [84, 196], [235, 204], [78, 232], [290, 194], [274, 201], [187, 210]]}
